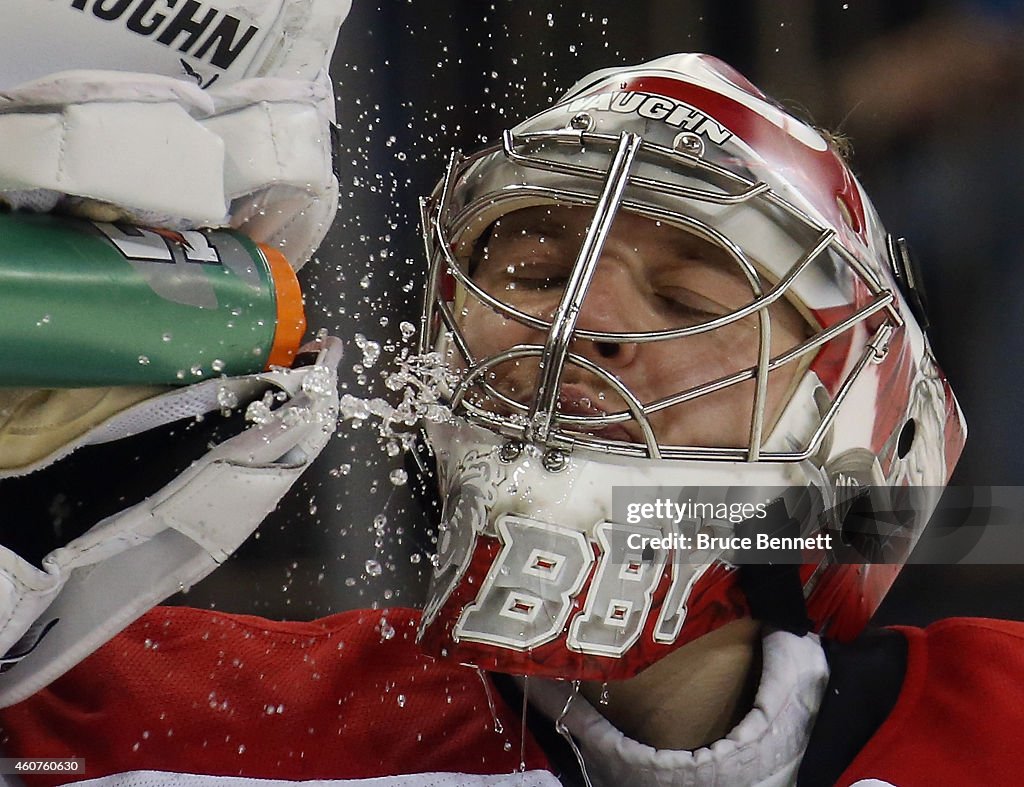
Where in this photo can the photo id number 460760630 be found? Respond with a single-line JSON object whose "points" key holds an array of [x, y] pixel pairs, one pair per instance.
{"points": [[22, 765]]}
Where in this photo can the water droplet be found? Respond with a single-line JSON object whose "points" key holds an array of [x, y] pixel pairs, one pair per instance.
{"points": [[318, 381], [226, 398], [258, 412], [371, 349], [373, 568]]}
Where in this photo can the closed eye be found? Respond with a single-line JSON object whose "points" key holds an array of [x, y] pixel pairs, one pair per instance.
{"points": [[536, 274], [538, 282], [688, 304]]}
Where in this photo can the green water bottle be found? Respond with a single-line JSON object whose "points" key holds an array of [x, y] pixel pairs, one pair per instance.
{"points": [[88, 303]]}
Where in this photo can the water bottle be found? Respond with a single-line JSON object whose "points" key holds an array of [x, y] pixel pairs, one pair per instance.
{"points": [[87, 303]]}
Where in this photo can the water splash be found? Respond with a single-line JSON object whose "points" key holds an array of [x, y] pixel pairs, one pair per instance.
{"points": [[498, 728], [371, 350], [420, 379], [562, 730], [226, 398], [522, 723]]}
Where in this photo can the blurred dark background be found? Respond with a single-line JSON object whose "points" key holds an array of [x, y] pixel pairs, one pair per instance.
{"points": [[928, 94]]}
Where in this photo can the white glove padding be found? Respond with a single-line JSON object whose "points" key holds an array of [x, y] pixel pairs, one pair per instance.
{"points": [[254, 155], [209, 42], [250, 149], [54, 615]]}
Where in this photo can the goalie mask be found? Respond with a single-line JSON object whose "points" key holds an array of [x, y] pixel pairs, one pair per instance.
{"points": [[666, 288]]}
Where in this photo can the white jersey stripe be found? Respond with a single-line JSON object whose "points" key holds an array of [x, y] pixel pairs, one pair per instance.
{"points": [[536, 778]]}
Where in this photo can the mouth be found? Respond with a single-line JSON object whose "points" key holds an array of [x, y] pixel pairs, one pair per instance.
{"points": [[574, 399], [577, 400]]}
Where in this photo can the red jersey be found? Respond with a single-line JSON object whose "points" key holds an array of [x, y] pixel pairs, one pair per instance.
{"points": [[186, 691], [959, 712], [192, 691]]}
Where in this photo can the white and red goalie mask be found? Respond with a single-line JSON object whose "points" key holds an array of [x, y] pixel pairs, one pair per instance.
{"points": [[664, 281]]}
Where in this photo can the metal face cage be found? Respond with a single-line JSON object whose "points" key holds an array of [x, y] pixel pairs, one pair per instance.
{"points": [[620, 186]]}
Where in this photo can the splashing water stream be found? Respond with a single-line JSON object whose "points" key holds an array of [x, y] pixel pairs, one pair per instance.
{"points": [[562, 730], [498, 728]]}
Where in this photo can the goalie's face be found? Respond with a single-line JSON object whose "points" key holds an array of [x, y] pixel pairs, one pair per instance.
{"points": [[651, 276]]}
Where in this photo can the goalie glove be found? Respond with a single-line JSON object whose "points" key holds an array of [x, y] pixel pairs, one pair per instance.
{"points": [[198, 116], [187, 117], [85, 552]]}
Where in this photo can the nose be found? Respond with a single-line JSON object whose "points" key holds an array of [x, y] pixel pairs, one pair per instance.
{"points": [[612, 305]]}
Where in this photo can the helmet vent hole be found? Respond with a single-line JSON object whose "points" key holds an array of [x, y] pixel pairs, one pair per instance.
{"points": [[906, 438]]}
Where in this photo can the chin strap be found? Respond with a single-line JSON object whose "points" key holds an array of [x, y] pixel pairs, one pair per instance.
{"points": [[774, 591]]}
